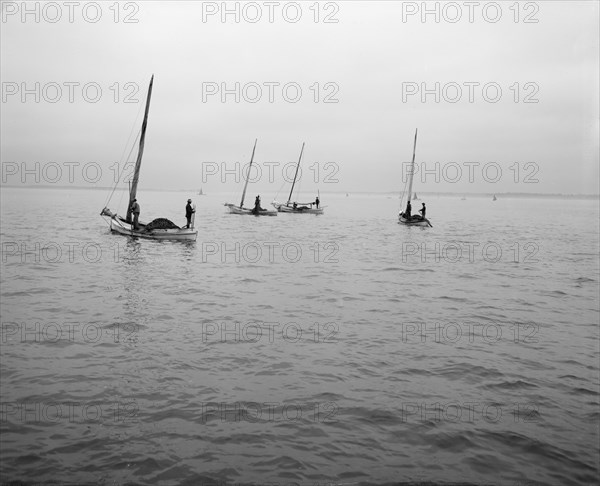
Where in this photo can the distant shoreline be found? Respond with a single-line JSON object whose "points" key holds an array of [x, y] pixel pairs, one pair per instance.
{"points": [[499, 195]]}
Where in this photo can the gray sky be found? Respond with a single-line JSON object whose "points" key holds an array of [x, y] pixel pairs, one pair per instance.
{"points": [[374, 58]]}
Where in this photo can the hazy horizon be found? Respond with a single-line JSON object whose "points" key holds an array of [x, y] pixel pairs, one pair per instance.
{"points": [[194, 192], [505, 100]]}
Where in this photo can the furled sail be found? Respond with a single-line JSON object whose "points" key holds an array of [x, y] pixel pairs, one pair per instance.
{"points": [[138, 162]]}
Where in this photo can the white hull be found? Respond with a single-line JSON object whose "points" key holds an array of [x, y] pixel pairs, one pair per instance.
{"points": [[282, 208], [118, 226], [233, 209], [414, 222]]}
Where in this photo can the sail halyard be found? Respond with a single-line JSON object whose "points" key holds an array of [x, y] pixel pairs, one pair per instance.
{"points": [[138, 162], [296, 174], [248, 175], [412, 170]]}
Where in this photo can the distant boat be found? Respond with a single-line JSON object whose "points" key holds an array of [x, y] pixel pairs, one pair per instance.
{"points": [[407, 217], [158, 229], [494, 198], [415, 198], [257, 210], [296, 207], [200, 193]]}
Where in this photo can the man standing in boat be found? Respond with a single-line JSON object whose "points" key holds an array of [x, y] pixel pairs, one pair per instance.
{"points": [[407, 213], [189, 210], [135, 209], [257, 207], [423, 210], [317, 201]]}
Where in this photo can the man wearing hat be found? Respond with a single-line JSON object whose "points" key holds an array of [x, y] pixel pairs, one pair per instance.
{"points": [[423, 210], [188, 212]]}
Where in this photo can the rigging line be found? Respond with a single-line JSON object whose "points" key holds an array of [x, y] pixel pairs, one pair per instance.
{"points": [[279, 190], [298, 188], [103, 219], [237, 192], [133, 125], [239, 189], [119, 205], [402, 195], [122, 169], [299, 181]]}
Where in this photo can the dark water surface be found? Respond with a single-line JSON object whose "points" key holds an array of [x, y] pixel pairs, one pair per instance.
{"points": [[337, 349]]}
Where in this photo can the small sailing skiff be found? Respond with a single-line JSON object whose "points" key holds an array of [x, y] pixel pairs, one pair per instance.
{"points": [[299, 208], [257, 210], [296, 207], [406, 217], [158, 229]]}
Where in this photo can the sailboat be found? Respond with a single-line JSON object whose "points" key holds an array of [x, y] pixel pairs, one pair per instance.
{"points": [[256, 211], [200, 193], [296, 207], [407, 217], [415, 198], [158, 229], [494, 198]]}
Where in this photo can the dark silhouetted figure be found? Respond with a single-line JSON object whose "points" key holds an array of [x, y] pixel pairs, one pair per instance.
{"points": [[189, 210], [257, 207], [135, 209]]}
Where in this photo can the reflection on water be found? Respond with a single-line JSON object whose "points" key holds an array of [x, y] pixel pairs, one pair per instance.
{"points": [[344, 348]]}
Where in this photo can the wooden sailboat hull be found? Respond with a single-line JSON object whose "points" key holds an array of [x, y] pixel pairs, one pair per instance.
{"points": [[414, 222], [117, 225], [283, 208], [150, 231], [234, 209]]}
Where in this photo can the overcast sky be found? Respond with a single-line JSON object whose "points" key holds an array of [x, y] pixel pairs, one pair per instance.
{"points": [[373, 58]]}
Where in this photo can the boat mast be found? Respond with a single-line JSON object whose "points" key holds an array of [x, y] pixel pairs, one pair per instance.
{"points": [[412, 170], [138, 162], [248, 174], [296, 174]]}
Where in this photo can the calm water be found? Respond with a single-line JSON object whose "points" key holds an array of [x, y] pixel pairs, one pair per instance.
{"points": [[338, 349]]}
